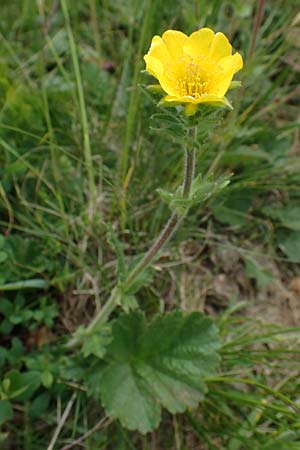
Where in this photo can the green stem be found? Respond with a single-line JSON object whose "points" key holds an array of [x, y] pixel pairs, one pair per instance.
{"points": [[162, 239], [189, 171], [107, 309], [172, 224], [165, 235]]}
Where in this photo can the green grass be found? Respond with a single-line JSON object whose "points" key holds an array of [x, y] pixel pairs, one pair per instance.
{"points": [[83, 148]]}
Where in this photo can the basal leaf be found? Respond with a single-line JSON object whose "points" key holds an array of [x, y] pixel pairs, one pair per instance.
{"points": [[126, 397], [161, 364]]}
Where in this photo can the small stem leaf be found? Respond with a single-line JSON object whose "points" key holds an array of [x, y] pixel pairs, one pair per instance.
{"points": [[201, 190], [165, 196], [161, 364], [205, 188], [96, 341], [169, 123], [127, 302]]}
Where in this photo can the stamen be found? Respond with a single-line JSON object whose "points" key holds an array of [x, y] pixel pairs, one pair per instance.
{"points": [[192, 77]]}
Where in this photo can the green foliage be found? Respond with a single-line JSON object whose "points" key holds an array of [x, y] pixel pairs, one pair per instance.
{"points": [[232, 208], [288, 237], [6, 411], [178, 126], [46, 363], [287, 441], [163, 364], [262, 275], [288, 217], [16, 312], [19, 386], [289, 243], [22, 259], [39, 405], [170, 124]]}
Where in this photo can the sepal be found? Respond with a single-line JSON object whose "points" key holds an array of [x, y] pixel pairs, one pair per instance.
{"points": [[235, 85]]}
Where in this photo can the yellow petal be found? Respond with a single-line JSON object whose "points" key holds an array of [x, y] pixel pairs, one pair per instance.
{"points": [[220, 47], [178, 99], [199, 42], [165, 101], [232, 63], [159, 50], [174, 41], [190, 105], [195, 69], [229, 66], [215, 100], [156, 68]]}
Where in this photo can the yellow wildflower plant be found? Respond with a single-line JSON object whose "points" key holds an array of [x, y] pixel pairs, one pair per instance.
{"points": [[193, 69]]}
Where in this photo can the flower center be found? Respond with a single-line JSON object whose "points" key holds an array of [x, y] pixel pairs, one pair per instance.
{"points": [[193, 77], [193, 82]]}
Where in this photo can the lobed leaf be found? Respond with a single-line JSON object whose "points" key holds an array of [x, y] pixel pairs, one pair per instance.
{"points": [[161, 364]]}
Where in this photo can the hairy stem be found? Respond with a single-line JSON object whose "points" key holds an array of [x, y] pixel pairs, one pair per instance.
{"points": [[106, 311], [172, 224], [165, 235], [189, 171], [160, 241]]}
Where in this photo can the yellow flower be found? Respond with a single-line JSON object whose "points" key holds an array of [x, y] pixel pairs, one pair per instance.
{"points": [[193, 69]]}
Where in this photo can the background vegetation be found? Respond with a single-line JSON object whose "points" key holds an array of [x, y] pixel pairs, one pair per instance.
{"points": [[83, 151]]}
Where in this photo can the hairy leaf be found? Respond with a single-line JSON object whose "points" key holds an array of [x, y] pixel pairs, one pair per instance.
{"points": [[162, 364], [201, 191], [95, 343]]}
